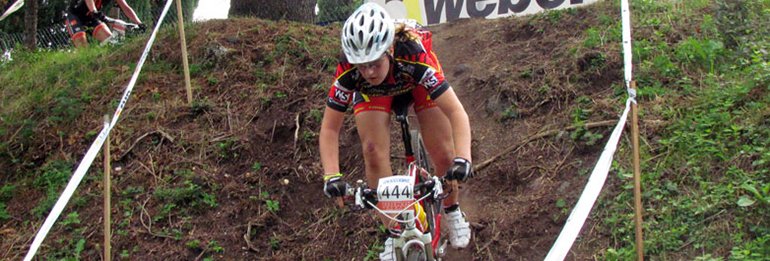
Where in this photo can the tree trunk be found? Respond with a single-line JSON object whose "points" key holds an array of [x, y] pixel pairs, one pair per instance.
{"points": [[30, 24], [336, 10], [292, 10]]}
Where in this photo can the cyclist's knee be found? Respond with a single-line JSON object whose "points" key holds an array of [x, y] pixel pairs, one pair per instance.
{"points": [[375, 154]]}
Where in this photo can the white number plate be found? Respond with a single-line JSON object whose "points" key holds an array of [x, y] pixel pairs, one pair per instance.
{"points": [[395, 193]]}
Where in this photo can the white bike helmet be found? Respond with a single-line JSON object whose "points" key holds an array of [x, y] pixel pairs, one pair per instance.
{"points": [[367, 34]]}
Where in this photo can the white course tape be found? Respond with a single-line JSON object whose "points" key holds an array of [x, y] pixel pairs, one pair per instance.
{"points": [[627, 50], [88, 159], [15, 7], [595, 183], [594, 186]]}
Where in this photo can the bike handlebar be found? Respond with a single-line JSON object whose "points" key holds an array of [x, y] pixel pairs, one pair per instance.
{"points": [[364, 197], [121, 22]]}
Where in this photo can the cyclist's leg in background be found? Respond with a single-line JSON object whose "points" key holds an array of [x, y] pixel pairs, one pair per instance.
{"points": [[372, 117], [437, 136], [77, 29], [102, 32]]}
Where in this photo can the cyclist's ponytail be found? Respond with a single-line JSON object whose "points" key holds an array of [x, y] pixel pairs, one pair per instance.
{"points": [[405, 33]]}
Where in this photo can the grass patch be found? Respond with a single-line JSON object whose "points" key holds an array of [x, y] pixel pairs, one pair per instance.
{"points": [[705, 177]]}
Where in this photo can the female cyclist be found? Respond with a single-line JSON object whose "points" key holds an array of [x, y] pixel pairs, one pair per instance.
{"points": [[83, 14], [384, 59]]}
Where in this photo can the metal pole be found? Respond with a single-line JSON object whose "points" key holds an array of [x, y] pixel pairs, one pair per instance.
{"points": [[107, 235], [637, 178], [184, 51]]}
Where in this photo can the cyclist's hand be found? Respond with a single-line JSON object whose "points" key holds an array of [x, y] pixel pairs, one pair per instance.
{"points": [[142, 27], [98, 15], [334, 186], [461, 170]]}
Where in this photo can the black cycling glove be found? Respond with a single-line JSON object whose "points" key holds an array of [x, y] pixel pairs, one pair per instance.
{"points": [[461, 170], [142, 27], [334, 186]]}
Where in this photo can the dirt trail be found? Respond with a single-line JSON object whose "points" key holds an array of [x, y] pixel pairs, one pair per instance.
{"points": [[237, 175]]}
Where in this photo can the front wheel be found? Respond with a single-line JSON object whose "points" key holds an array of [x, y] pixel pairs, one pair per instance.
{"points": [[416, 254]]}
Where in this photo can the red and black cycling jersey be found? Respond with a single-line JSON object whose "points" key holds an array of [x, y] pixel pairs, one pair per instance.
{"points": [[413, 65], [79, 7]]}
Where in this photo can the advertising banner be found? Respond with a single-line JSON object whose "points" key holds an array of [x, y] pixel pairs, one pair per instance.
{"points": [[428, 12]]}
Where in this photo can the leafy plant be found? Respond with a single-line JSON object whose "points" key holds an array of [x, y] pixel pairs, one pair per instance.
{"points": [[272, 205], [510, 113], [213, 246], [275, 243], [71, 219], [53, 178], [194, 243], [315, 114], [192, 195], [212, 81], [3, 212]]}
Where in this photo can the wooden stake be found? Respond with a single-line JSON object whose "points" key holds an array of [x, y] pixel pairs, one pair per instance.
{"points": [[184, 52], [637, 177], [107, 235]]}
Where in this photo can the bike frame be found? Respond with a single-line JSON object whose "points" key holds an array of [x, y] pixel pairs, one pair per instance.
{"points": [[411, 235]]}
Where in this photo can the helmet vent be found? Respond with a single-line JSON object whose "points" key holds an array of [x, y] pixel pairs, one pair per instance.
{"points": [[367, 34]]}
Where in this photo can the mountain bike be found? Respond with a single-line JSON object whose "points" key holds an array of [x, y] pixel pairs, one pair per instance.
{"points": [[412, 200], [120, 29]]}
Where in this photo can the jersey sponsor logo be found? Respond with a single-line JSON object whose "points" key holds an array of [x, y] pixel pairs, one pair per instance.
{"points": [[342, 96], [432, 81], [340, 86]]}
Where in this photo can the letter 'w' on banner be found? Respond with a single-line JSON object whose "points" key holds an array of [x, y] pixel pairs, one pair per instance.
{"points": [[15, 7]]}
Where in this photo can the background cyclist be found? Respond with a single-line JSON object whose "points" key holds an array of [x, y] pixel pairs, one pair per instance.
{"points": [[384, 59], [84, 14]]}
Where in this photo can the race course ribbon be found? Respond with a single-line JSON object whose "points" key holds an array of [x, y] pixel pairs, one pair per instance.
{"points": [[88, 159], [595, 183]]}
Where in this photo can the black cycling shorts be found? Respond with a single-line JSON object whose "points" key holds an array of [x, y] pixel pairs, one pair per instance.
{"points": [[78, 24]]}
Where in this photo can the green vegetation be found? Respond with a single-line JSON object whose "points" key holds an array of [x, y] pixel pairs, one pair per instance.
{"points": [[52, 179], [703, 74], [190, 194], [706, 174]]}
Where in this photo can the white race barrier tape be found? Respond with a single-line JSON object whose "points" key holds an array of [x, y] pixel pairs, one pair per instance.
{"points": [[88, 159], [15, 7], [595, 183], [627, 50], [594, 186]]}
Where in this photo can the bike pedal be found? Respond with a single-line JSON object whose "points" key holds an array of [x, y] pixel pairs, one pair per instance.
{"points": [[441, 251]]}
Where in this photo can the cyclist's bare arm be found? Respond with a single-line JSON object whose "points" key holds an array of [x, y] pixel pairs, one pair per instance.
{"points": [[128, 11], [91, 5], [461, 129], [329, 140]]}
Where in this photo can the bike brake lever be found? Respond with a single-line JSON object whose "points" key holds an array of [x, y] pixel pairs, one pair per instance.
{"points": [[444, 195]]}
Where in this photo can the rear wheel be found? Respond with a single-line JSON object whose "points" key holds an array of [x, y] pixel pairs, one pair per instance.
{"points": [[420, 153]]}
